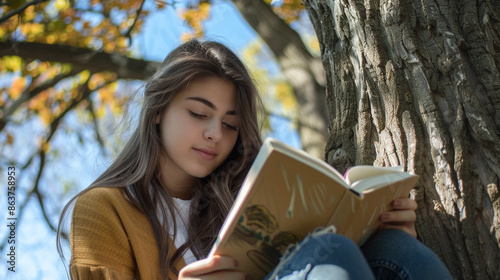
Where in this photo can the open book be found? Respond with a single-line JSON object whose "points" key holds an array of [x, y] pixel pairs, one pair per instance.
{"points": [[287, 194]]}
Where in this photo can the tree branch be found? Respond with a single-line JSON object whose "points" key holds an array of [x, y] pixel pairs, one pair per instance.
{"points": [[138, 13], [301, 69], [19, 10], [37, 192], [90, 108], [35, 189], [82, 59], [30, 94], [85, 92]]}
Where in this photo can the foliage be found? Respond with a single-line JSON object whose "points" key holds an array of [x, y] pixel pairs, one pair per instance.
{"points": [[277, 91], [41, 98], [38, 96]]}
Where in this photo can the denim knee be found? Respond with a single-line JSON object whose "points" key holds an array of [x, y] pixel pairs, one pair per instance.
{"points": [[394, 254], [323, 248]]}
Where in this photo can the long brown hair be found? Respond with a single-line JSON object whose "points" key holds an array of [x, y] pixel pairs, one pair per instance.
{"points": [[137, 168]]}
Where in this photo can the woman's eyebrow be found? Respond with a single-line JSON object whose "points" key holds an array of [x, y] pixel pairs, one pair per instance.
{"points": [[209, 104]]}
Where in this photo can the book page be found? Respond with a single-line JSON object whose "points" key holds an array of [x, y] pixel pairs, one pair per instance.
{"points": [[360, 172], [378, 181]]}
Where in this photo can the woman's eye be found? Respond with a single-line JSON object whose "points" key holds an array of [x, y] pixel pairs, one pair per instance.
{"points": [[228, 126], [196, 115]]}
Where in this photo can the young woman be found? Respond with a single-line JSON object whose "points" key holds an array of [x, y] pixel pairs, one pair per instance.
{"points": [[156, 211]]}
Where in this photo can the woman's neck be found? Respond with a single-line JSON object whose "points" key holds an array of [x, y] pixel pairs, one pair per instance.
{"points": [[181, 192], [179, 187]]}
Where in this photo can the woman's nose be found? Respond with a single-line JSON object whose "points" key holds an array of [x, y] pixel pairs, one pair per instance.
{"points": [[213, 132]]}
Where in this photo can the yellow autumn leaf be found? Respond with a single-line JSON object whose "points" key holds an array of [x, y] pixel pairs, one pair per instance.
{"points": [[160, 4], [45, 115], [205, 9], [84, 75], [45, 147], [61, 4], [17, 87], [186, 37], [10, 139], [284, 94], [105, 94], [51, 39], [122, 42], [29, 13], [100, 112], [63, 37], [12, 63], [195, 16], [110, 47], [70, 28], [95, 81], [114, 85], [116, 109], [43, 66]]}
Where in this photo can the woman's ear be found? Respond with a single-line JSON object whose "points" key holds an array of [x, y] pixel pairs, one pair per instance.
{"points": [[158, 118]]}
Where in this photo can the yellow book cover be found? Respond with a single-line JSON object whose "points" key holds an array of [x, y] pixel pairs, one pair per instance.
{"points": [[287, 194]]}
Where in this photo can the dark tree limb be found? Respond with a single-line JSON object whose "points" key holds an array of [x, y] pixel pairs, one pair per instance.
{"points": [[82, 59], [19, 10], [302, 70]]}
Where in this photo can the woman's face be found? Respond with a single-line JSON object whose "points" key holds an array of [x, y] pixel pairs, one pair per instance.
{"points": [[198, 130]]}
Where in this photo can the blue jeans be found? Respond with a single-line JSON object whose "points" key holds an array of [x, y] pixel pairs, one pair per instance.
{"points": [[390, 254]]}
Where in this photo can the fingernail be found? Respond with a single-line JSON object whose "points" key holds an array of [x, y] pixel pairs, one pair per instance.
{"points": [[384, 216], [397, 203]]}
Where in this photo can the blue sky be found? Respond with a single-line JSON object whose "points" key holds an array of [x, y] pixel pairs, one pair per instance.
{"points": [[36, 252]]}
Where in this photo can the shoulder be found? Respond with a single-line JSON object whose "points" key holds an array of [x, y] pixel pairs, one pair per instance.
{"points": [[101, 194], [101, 208], [101, 197], [98, 236]]}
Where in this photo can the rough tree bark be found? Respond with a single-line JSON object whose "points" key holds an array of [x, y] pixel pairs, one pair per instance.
{"points": [[302, 70], [417, 83]]}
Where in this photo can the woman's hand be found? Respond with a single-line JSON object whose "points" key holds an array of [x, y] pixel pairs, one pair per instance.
{"points": [[216, 267], [402, 217]]}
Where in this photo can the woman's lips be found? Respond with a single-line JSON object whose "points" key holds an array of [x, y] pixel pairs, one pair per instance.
{"points": [[206, 153]]}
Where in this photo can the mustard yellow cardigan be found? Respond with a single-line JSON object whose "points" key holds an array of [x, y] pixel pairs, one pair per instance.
{"points": [[112, 239]]}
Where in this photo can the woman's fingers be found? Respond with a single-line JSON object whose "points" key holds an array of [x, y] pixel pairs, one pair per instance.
{"points": [[402, 217], [215, 267], [208, 265], [399, 216], [404, 203]]}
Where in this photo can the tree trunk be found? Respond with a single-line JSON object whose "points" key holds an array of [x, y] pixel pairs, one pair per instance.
{"points": [[303, 71], [417, 83]]}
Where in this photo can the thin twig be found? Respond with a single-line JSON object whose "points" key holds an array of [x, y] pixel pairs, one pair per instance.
{"points": [[129, 32], [19, 10], [90, 107]]}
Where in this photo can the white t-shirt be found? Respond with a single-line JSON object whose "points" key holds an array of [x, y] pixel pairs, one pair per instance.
{"points": [[182, 223]]}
